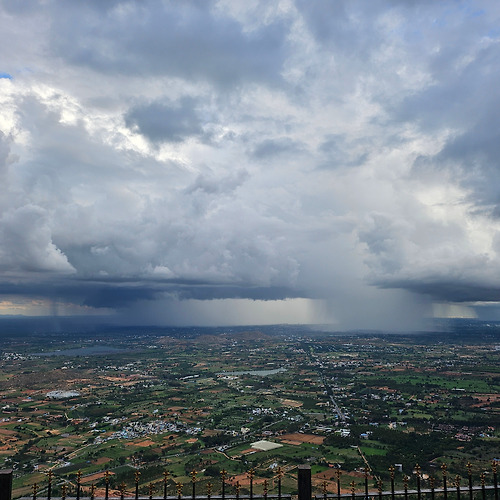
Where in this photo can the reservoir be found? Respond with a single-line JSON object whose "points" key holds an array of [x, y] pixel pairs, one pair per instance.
{"points": [[259, 373], [97, 350]]}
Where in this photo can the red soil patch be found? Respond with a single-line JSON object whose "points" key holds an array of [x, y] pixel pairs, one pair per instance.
{"points": [[302, 438], [293, 443], [7, 432], [248, 451], [95, 477], [244, 480], [142, 444]]}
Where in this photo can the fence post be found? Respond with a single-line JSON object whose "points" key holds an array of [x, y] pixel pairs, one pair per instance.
{"points": [[445, 485], [137, 476], [469, 473], [193, 484], [106, 480], [457, 485], [165, 484], [223, 474], [494, 465], [78, 482], [250, 475], [417, 473], [367, 470], [6, 484], [280, 475], [338, 473], [304, 479], [391, 470], [50, 474]]}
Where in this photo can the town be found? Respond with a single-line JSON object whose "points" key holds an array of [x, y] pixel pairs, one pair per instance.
{"points": [[263, 398]]}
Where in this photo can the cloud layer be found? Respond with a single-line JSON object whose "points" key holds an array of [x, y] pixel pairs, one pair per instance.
{"points": [[342, 152]]}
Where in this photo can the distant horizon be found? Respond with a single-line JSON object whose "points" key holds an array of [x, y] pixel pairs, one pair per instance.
{"points": [[86, 323]]}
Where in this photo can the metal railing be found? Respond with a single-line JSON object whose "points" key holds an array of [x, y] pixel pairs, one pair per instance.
{"points": [[418, 486]]}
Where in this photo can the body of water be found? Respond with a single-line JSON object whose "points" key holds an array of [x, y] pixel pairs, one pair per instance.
{"points": [[260, 373], [97, 350]]}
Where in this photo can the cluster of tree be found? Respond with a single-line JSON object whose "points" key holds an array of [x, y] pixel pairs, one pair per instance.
{"points": [[219, 439]]}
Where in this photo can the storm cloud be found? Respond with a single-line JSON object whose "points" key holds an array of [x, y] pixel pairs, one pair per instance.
{"points": [[162, 153]]}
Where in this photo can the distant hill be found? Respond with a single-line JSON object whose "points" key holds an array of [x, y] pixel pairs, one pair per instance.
{"points": [[250, 335], [245, 336]]}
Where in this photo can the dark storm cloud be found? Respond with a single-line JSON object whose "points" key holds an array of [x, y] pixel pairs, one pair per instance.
{"points": [[191, 40], [464, 97], [339, 151], [166, 121], [210, 184], [271, 148], [121, 293], [449, 290]]}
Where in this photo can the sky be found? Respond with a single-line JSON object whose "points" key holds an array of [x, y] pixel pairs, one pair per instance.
{"points": [[245, 162]]}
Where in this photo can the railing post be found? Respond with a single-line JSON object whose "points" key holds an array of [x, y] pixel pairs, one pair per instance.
{"points": [[137, 476], [494, 464], [483, 487], [6, 484], [469, 473], [391, 470], [338, 473], [50, 474], [178, 487], [405, 482], [165, 484], [193, 482], [457, 485], [445, 486], [106, 480], [304, 480], [251, 473], [35, 490], [367, 470], [280, 475], [78, 481], [417, 472], [223, 474], [432, 482]]}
